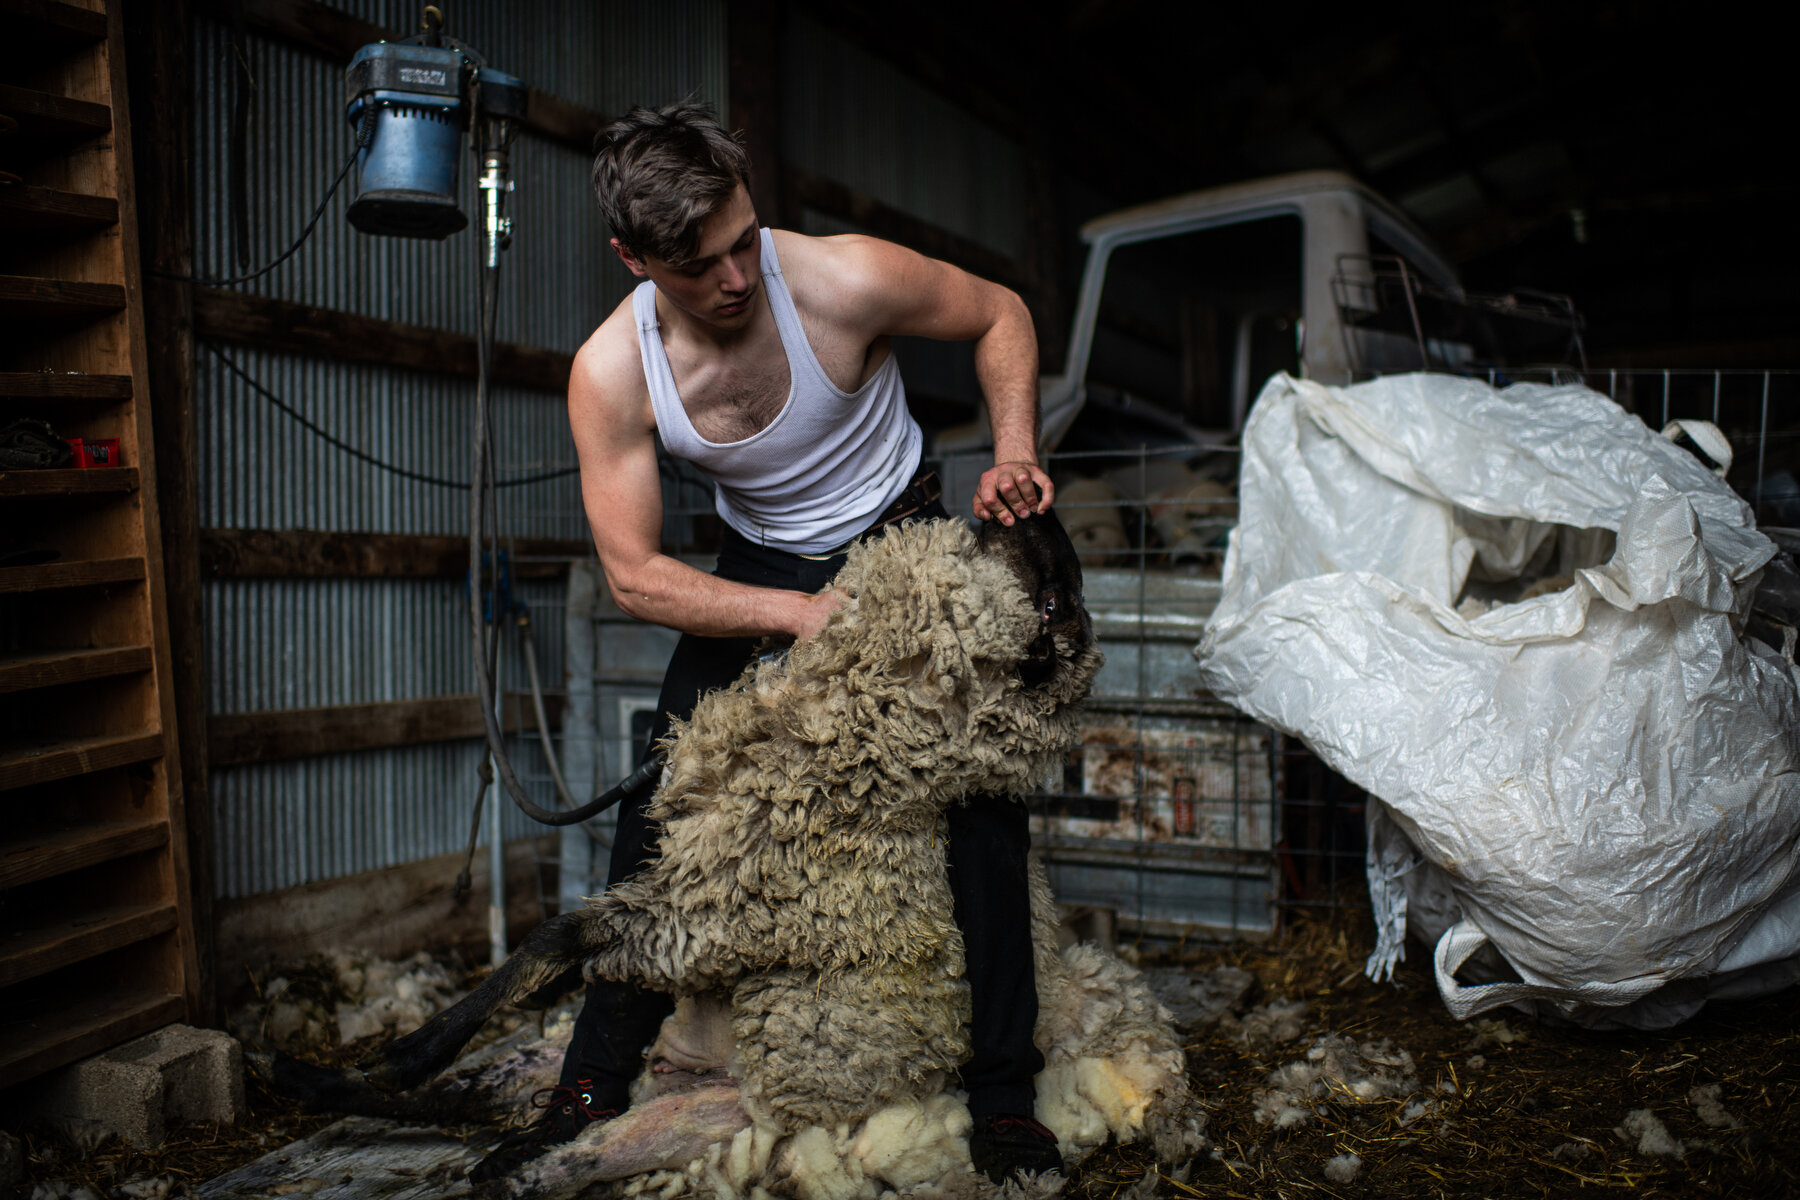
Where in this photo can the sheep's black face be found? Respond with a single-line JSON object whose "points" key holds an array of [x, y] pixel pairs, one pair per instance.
{"points": [[1043, 560]]}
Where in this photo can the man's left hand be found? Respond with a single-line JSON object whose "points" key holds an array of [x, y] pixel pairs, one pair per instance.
{"points": [[1013, 490]]}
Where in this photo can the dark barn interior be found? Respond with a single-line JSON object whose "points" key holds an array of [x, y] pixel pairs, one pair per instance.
{"points": [[240, 728]]}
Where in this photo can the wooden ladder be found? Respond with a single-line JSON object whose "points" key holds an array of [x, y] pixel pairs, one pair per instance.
{"points": [[96, 927]]}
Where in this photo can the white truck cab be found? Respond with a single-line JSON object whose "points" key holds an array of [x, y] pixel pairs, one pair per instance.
{"points": [[1183, 301]]}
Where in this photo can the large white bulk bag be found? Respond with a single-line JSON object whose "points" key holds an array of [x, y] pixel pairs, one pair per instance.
{"points": [[1600, 783]]}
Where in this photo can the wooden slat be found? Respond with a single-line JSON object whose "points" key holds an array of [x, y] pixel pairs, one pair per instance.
{"points": [[46, 855], [43, 115], [90, 572], [312, 554], [277, 735], [803, 189], [26, 954], [392, 911], [562, 120], [51, 25], [21, 671], [337, 35], [24, 207], [26, 297], [160, 114], [89, 481], [282, 325], [46, 385], [27, 765], [59, 1029]]}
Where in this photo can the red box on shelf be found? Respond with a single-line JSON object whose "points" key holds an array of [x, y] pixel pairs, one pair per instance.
{"points": [[94, 452]]}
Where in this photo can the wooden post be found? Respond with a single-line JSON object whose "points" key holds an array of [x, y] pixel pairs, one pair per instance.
{"points": [[157, 36]]}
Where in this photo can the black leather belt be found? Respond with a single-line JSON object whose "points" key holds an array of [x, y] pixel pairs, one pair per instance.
{"points": [[923, 489]]}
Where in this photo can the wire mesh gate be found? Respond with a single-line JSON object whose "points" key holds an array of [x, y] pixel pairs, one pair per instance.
{"points": [[1177, 815]]}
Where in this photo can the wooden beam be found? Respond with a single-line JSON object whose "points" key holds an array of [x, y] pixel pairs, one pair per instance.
{"points": [[27, 297], [804, 189], [47, 855], [59, 1026], [27, 765], [338, 35], [50, 210], [161, 98], [272, 324], [48, 115], [278, 735], [30, 953], [53, 23], [69, 481], [393, 911], [315, 554], [43, 385], [25, 670], [80, 573]]}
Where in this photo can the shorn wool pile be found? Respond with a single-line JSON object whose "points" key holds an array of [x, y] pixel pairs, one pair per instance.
{"points": [[800, 911]]}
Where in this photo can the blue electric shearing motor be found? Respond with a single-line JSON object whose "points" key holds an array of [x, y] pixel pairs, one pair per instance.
{"points": [[411, 104]]}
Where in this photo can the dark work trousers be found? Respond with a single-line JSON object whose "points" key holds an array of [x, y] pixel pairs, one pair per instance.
{"points": [[988, 842]]}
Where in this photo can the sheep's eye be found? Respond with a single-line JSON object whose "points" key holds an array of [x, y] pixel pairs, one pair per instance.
{"points": [[1048, 609]]}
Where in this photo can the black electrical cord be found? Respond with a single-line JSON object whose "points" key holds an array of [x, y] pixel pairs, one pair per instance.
{"points": [[343, 173], [481, 508], [362, 455]]}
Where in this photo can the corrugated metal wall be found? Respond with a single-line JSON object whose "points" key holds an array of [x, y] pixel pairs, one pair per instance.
{"points": [[275, 644], [856, 118]]}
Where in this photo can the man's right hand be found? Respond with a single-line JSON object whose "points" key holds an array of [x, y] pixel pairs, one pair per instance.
{"points": [[815, 611], [1009, 488]]}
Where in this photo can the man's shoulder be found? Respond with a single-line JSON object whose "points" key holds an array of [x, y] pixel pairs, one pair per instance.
{"points": [[610, 355], [833, 255], [608, 368], [837, 275]]}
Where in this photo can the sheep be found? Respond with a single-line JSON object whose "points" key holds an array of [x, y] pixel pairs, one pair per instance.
{"points": [[799, 907]]}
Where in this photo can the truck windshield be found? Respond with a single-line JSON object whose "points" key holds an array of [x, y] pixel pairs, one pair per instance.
{"points": [[1188, 323]]}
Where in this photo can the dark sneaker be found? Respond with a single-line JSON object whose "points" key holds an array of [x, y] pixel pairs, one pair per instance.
{"points": [[1004, 1145], [568, 1111]]}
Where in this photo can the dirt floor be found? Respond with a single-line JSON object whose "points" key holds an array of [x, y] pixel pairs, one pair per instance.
{"points": [[1500, 1107], [1518, 1108]]}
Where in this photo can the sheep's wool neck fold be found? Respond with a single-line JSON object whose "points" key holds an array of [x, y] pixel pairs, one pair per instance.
{"points": [[820, 472]]}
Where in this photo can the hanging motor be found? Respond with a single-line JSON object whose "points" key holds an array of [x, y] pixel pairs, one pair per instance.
{"points": [[411, 103]]}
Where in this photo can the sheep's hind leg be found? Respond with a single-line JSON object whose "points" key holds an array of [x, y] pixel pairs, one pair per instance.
{"points": [[546, 952]]}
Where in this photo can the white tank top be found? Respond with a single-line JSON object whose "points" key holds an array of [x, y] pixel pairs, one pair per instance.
{"points": [[829, 462]]}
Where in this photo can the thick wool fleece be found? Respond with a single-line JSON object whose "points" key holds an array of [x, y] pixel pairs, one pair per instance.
{"points": [[802, 822], [800, 894], [795, 802]]}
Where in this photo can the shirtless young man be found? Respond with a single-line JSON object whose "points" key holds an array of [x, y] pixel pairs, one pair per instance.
{"points": [[764, 358]]}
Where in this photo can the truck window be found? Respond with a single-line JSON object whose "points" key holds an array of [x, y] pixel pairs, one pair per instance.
{"points": [[1184, 318]]}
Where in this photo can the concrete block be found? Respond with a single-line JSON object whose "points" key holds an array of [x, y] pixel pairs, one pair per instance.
{"points": [[136, 1090]]}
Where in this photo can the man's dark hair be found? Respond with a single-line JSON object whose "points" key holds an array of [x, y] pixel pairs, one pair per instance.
{"points": [[661, 172]]}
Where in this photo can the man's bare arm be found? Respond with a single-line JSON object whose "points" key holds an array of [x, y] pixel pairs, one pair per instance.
{"points": [[889, 289], [622, 492]]}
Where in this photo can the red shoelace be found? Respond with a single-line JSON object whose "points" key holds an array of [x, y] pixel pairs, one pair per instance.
{"points": [[1001, 1123], [574, 1098]]}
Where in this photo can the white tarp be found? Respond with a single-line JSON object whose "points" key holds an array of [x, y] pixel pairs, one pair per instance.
{"points": [[1602, 782]]}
